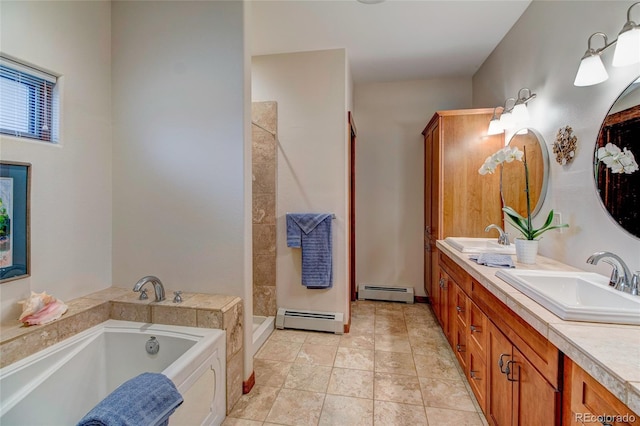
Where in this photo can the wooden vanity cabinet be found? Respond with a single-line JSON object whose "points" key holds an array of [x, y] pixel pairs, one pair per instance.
{"points": [[585, 401], [457, 200], [512, 369]]}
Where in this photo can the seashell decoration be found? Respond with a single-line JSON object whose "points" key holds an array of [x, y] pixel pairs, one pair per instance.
{"points": [[565, 145], [41, 308]]}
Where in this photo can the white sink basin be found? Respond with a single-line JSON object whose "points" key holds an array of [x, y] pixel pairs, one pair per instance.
{"points": [[479, 245], [576, 296]]}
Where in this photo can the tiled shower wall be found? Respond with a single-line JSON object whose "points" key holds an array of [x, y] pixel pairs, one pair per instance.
{"points": [[264, 166]]}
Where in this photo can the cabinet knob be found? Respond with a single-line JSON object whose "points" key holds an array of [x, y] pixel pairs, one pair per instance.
{"points": [[475, 328], [459, 309], [460, 348], [442, 281], [472, 374]]}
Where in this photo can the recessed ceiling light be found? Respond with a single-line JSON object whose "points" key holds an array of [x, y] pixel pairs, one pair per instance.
{"points": [[370, 1]]}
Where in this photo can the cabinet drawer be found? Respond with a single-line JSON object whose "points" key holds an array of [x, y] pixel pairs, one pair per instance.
{"points": [[460, 344], [478, 328], [461, 306], [536, 348], [458, 274], [588, 402], [477, 375]]}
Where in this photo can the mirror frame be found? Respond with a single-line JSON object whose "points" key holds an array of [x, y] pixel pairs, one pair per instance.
{"points": [[545, 170], [595, 171]]}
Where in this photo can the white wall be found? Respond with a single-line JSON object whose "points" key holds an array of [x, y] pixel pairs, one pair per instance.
{"points": [[542, 51], [180, 98], [312, 118], [390, 175], [71, 182]]}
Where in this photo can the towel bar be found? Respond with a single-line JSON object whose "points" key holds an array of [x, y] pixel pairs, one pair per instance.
{"points": [[333, 215]]}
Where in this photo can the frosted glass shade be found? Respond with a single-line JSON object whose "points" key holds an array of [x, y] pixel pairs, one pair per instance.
{"points": [[591, 71], [506, 120], [627, 48], [495, 127], [520, 113]]}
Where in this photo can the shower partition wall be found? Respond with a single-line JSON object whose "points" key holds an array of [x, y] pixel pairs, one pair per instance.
{"points": [[264, 117]]}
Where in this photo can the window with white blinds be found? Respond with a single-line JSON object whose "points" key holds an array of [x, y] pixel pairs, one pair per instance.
{"points": [[28, 102]]}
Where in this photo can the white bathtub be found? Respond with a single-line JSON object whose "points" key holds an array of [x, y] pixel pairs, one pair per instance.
{"points": [[60, 384]]}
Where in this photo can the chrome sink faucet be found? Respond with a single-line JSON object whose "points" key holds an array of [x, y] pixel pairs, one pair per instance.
{"points": [[157, 286], [503, 239], [627, 282]]}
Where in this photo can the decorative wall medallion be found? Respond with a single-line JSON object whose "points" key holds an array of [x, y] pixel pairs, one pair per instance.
{"points": [[565, 145]]}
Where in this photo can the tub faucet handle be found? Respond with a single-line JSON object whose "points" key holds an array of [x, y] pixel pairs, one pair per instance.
{"points": [[177, 298], [143, 294]]}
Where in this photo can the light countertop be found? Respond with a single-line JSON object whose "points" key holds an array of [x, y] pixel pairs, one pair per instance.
{"points": [[608, 352]]}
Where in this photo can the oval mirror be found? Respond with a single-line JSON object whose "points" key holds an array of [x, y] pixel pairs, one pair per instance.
{"points": [[615, 168], [513, 178]]}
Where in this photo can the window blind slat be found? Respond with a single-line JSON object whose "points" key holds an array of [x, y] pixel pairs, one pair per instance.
{"points": [[27, 103]]}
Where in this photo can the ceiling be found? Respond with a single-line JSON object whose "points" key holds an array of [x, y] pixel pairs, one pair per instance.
{"points": [[390, 41]]}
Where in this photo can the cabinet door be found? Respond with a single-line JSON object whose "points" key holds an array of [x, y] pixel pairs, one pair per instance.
{"points": [[428, 162], [500, 388], [535, 401], [586, 401], [431, 205]]}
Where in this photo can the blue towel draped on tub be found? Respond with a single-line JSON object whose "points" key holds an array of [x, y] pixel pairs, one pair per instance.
{"points": [[312, 233], [146, 400]]}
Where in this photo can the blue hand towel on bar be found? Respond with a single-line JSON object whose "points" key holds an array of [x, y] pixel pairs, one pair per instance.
{"points": [[312, 233], [148, 399]]}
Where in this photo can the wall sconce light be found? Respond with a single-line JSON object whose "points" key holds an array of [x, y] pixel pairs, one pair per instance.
{"points": [[495, 127], [592, 71], [511, 115]]}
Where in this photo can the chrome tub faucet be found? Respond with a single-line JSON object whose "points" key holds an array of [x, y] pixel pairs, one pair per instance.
{"points": [[503, 239], [157, 287], [627, 282]]}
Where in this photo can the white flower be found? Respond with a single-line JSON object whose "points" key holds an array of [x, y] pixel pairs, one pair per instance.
{"points": [[615, 159], [505, 155]]}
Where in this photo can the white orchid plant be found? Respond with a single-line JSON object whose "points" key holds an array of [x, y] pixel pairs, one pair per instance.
{"points": [[521, 223], [619, 161]]}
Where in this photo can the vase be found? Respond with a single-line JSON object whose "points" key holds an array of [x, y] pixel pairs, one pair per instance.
{"points": [[526, 250]]}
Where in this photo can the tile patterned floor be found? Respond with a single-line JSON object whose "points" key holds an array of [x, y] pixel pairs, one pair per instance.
{"points": [[394, 368]]}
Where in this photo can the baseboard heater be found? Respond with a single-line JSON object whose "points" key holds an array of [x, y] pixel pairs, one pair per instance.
{"points": [[379, 292], [332, 322]]}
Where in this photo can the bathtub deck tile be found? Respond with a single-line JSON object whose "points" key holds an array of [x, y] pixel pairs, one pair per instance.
{"points": [[74, 324], [40, 337], [209, 319], [173, 315], [109, 293], [232, 323], [130, 312]]}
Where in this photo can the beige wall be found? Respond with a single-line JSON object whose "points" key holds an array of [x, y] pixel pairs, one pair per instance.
{"points": [[542, 51], [310, 90], [181, 151], [389, 175], [71, 182]]}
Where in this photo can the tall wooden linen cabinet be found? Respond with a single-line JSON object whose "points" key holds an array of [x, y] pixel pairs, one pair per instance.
{"points": [[458, 201]]}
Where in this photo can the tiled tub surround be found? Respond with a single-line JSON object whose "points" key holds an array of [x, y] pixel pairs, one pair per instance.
{"points": [[196, 310], [608, 352]]}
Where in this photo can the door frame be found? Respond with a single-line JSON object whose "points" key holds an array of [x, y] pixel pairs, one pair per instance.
{"points": [[352, 206]]}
